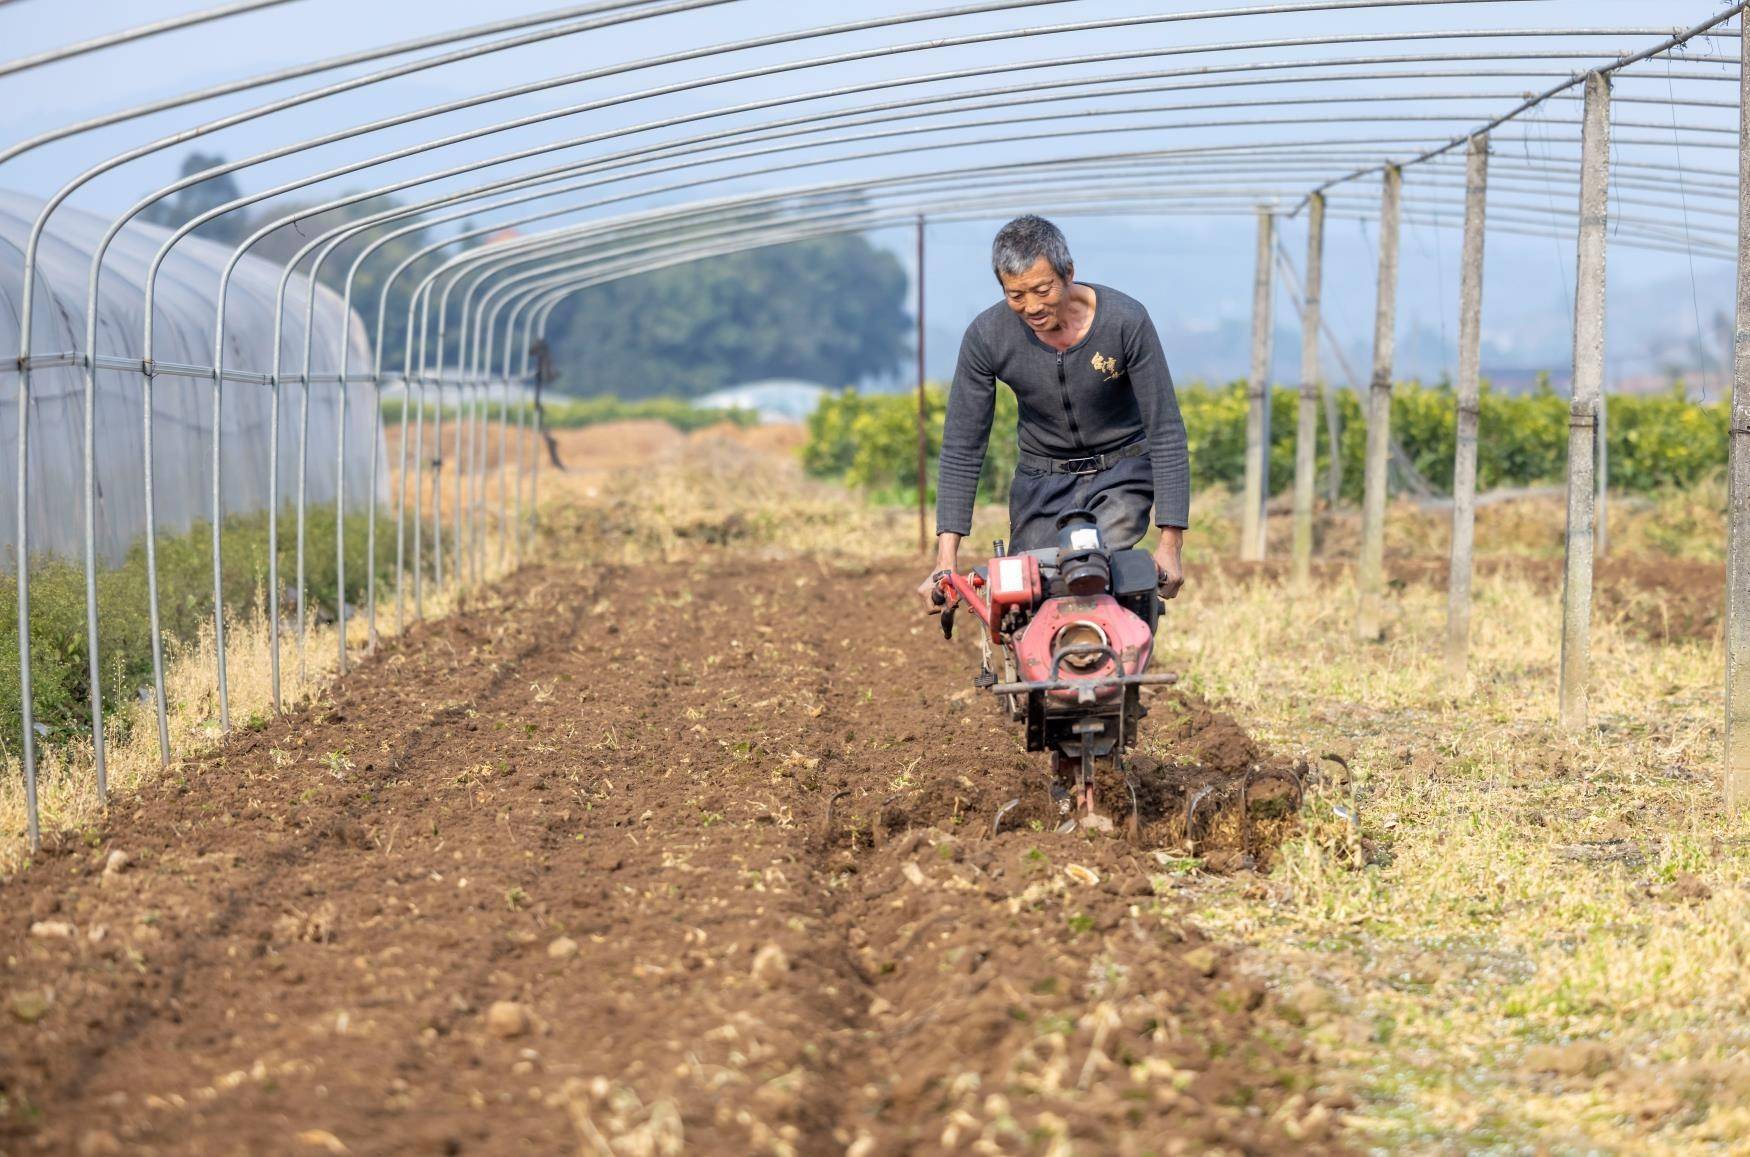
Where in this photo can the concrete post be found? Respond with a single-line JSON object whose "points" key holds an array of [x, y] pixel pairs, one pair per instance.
{"points": [[1464, 464], [1370, 575], [1738, 500], [1257, 486], [1307, 431], [1583, 414]]}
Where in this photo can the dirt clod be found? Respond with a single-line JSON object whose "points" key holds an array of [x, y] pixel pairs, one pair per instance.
{"points": [[29, 1005], [771, 964], [507, 1019], [564, 948], [1690, 889], [1579, 1059], [99, 1143], [1204, 960]]}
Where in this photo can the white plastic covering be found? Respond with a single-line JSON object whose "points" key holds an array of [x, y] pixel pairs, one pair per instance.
{"points": [[182, 406]]}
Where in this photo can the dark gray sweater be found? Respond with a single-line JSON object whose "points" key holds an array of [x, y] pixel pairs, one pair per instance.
{"points": [[1105, 391]]}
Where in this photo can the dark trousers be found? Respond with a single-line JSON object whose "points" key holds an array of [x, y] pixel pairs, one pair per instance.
{"points": [[1120, 496]]}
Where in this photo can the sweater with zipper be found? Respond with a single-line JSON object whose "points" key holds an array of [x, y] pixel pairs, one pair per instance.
{"points": [[1108, 390]]}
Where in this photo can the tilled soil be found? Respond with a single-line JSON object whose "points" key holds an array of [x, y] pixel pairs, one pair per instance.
{"points": [[559, 875]]}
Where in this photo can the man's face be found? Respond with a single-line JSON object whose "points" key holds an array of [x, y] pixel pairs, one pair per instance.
{"points": [[1039, 295]]}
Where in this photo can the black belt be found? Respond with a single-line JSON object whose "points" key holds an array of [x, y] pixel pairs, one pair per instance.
{"points": [[1089, 465]]}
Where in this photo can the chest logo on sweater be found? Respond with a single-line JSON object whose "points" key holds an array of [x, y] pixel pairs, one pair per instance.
{"points": [[1106, 367]]}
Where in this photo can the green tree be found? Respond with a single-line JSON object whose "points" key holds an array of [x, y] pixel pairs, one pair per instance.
{"points": [[184, 205], [830, 310]]}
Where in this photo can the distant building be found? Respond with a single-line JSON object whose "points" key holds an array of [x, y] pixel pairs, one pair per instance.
{"points": [[774, 400]]}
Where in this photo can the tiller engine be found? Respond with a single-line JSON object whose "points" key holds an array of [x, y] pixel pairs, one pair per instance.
{"points": [[1072, 629]]}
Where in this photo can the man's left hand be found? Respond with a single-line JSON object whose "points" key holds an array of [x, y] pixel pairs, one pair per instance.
{"points": [[1168, 565]]}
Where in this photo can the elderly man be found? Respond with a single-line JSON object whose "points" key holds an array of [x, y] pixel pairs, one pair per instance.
{"points": [[1099, 423]]}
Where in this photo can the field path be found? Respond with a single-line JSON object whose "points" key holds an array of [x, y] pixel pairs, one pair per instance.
{"points": [[555, 876]]}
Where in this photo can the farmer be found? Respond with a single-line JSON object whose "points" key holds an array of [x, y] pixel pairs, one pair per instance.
{"points": [[1099, 423]]}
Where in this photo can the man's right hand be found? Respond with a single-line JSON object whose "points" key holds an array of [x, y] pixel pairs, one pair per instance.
{"points": [[947, 559], [927, 591]]}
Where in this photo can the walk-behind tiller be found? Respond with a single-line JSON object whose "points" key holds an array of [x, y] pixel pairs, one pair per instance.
{"points": [[1074, 628]]}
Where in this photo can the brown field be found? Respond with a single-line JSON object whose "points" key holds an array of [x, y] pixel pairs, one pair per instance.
{"points": [[679, 840]]}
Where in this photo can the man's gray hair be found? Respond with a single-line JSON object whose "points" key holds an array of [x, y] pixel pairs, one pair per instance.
{"points": [[1025, 240]]}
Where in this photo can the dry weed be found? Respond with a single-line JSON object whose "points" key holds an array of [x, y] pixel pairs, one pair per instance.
{"points": [[1546, 948]]}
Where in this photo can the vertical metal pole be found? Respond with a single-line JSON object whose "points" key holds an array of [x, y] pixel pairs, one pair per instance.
{"points": [[465, 469], [1583, 414], [93, 659], [437, 487], [417, 393], [482, 415], [218, 543], [1738, 499], [1370, 574], [146, 495], [1257, 485], [464, 472], [923, 409], [1464, 464], [303, 464], [21, 557], [371, 523], [340, 526], [401, 577], [540, 425], [273, 540], [458, 518], [522, 457], [503, 469], [1307, 431]]}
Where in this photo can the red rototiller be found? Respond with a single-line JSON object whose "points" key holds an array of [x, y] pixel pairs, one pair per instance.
{"points": [[1072, 627]]}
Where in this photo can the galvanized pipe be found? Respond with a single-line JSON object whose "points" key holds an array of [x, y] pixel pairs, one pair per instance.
{"points": [[1710, 25], [1464, 464], [133, 35], [311, 68], [30, 256], [1583, 418], [735, 132], [494, 129], [546, 214], [26, 310]]}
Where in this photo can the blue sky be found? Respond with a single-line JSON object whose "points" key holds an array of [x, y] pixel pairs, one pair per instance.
{"points": [[1194, 272]]}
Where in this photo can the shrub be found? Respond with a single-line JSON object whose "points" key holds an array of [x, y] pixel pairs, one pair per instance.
{"points": [[60, 677], [1655, 442], [566, 413], [871, 441]]}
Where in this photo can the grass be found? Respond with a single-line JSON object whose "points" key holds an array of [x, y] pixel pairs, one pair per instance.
{"points": [[1527, 887]]}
